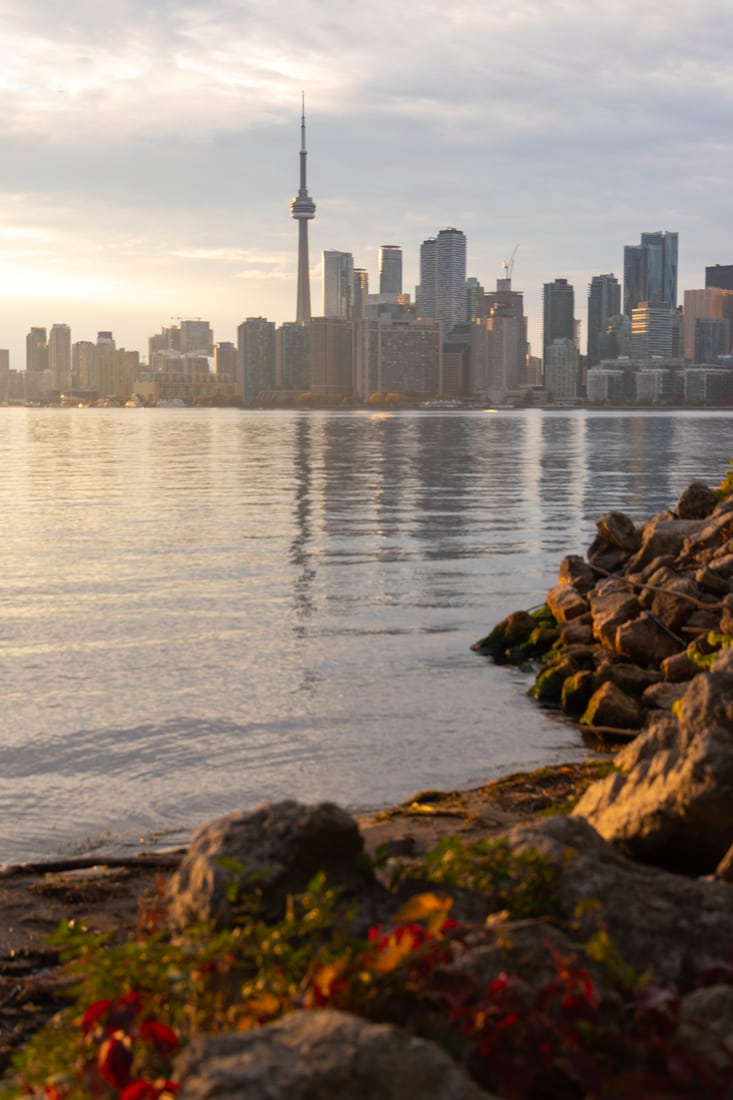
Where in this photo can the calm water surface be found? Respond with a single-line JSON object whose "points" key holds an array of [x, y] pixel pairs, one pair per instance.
{"points": [[203, 609]]}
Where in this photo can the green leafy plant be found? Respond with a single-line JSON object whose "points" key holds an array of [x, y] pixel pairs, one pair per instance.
{"points": [[522, 884]]}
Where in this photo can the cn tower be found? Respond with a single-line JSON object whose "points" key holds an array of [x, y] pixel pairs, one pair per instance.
{"points": [[302, 208]]}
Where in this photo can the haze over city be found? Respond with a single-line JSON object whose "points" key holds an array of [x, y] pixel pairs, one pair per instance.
{"points": [[149, 151]]}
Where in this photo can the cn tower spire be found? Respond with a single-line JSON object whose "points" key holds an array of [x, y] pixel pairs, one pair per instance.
{"points": [[303, 209]]}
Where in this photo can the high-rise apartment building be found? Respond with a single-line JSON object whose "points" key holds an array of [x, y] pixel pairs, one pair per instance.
{"points": [[82, 365], [338, 284], [398, 355], [604, 302], [443, 294], [292, 357], [650, 270], [655, 331], [36, 350], [500, 360], [360, 294], [332, 356], [59, 357], [196, 338], [558, 313], [303, 209], [255, 358], [390, 269], [709, 304]]}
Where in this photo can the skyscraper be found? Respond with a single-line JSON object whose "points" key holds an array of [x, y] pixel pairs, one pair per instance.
{"points": [[650, 270], [59, 357], [338, 284], [558, 313], [255, 358], [303, 209], [36, 350], [443, 293], [390, 269], [604, 301]]}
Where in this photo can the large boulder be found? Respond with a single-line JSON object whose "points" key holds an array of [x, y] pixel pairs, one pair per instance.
{"points": [[671, 803], [321, 1055], [657, 920], [275, 850]]}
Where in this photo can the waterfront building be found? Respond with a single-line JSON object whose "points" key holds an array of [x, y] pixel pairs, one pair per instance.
{"points": [[225, 361], [709, 385], [292, 357], [36, 350], [606, 385], [712, 302], [332, 357], [604, 302], [303, 209], [338, 284], [255, 358], [712, 339], [558, 314], [360, 294], [499, 344], [655, 331], [650, 270], [562, 370], [196, 338], [390, 269], [106, 372], [59, 357], [82, 365], [393, 355], [442, 292]]}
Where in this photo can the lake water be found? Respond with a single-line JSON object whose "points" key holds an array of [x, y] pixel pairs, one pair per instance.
{"points": [[204, 609]]}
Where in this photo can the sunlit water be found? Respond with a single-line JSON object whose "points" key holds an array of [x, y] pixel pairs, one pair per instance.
{"points": [[203, 609]]}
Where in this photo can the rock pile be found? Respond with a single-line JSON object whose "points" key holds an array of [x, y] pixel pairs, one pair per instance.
{"points": [[625, 629]]}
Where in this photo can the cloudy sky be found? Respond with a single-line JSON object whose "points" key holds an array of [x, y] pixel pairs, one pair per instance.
{"points": [[149, 149]]}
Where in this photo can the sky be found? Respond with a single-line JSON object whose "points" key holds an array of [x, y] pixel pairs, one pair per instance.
{"points": [[149, 149]]}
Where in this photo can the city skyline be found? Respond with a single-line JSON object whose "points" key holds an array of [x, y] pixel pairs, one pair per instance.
{"points": [[151, 180]]}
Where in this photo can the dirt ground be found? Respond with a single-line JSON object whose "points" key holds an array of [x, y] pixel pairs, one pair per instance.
{"points": [[121, 896]]}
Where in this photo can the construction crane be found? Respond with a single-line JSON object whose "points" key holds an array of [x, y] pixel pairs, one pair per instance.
{"points": [[508, 265]]}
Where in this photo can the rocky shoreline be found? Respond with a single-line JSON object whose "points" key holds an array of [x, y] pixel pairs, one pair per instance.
{"points": [[628, 918]]}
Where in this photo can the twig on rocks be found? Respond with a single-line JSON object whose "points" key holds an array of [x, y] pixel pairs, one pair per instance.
{"points": [[658, 588], [162, 859]]}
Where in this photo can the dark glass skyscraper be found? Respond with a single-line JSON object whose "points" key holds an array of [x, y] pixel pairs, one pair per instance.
{"points": [[558, 313], [604, 301], [650, 271]]}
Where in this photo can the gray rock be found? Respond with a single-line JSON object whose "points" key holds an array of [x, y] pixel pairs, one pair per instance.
{"points": [[695, 502], [664, 536], [611, 604], [712, 581], [706, 1023], [611, 706], [674, 604], [282, 844], [645, 641], [566, 603], [655, 918], [672, 803], [702, 542], [321, 1055], [663, 696], [575, 571], [678, 668]]}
